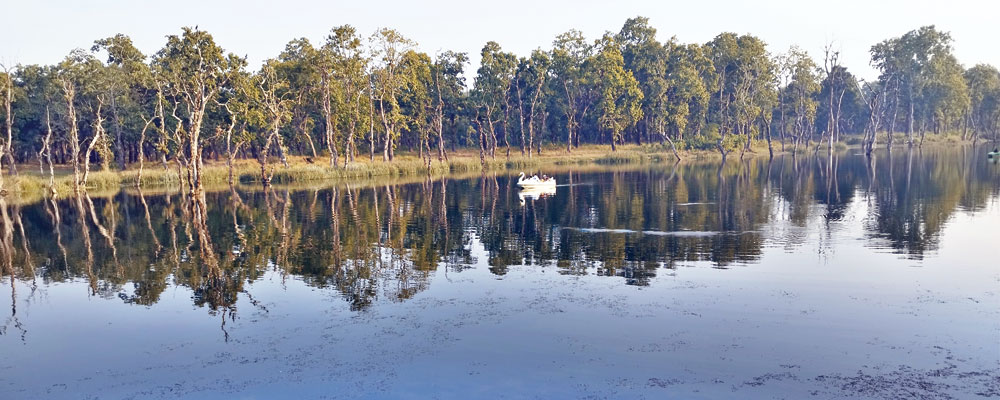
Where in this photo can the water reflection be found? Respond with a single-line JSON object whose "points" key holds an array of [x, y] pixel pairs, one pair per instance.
{"points": [[383, 242]]}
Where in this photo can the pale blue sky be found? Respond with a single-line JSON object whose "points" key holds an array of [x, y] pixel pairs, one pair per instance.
{"points": [[44, 31]]}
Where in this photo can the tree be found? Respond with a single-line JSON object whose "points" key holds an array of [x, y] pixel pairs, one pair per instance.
{"points": [[241, 101], [7, 95], [275, 101], [191, 70], [532, 74], [129, 83], [492, 89], [847, 111], [76, 76], [448, 90], [797, 98], [570, 54], [688, 81], [300, 65], [620, 101], [746, 88], [347, 66], [983, 82], [98, 94], [946, 95], [647, 59], [834, 83], [416, 102], [36, 95], [905, 60], [390, 46]]}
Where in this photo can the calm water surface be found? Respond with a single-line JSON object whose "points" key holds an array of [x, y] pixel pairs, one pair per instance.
{"points": [[807, 277]]}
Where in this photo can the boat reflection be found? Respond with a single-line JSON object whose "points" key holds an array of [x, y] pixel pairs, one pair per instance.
{"points": [[535, 192]]}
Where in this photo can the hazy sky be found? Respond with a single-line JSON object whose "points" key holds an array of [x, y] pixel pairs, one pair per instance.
{"points": [[44, 31]]}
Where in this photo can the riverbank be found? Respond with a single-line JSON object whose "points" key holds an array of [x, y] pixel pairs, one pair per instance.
{"points": [[31, 185]]}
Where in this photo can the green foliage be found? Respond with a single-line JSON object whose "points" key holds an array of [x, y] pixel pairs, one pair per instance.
{"points": [[798, 98], [689, 77], [747, 84], [706, 141], [983, 82], [390, 47], [620, 99], [193, 101], [491, 91], [921, 69]]}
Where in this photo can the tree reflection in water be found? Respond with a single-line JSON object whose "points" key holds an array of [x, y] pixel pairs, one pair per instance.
{"points": [[384, 242]]}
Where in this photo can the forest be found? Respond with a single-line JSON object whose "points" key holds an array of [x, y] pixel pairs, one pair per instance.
{"points": [[357, 97]]}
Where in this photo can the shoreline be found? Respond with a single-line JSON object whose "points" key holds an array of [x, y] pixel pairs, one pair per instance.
{"points": [[31, 186]]}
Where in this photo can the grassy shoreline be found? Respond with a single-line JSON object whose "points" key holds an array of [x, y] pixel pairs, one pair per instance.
{"points": [[31, 185]]}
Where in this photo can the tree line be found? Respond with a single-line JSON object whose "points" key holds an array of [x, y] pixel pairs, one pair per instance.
{"points": [[371, 96]]}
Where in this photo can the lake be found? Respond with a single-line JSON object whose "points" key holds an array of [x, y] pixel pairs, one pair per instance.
{"points": [[815, 276]]}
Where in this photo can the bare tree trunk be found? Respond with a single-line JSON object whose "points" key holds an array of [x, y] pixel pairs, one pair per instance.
{"points": [[482, 139], [836, 119], [442, 154], [141, 153], [371, 127], [98, 133], [349, 143], [965, 125], [116, 124], [69, 94], [427, 149], [541, 129], [312, 148], [781, 105], [770, 148], [265, 175], [385, 124], [351, 147], [673, 148], [723, 114], [830, 64], [328, 116], [281, 146], [439, 118], [47, 150], [909, 118], [506, 119], [8, 99], [531, 115], [570, 118], [520, 113], [895, 113], [491, 144]]}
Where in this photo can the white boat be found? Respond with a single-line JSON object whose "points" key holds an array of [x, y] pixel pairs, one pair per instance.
{"points": [[535, 182]]}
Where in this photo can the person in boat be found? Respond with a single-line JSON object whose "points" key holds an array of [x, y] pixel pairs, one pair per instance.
{"points": [[535, 179]]}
